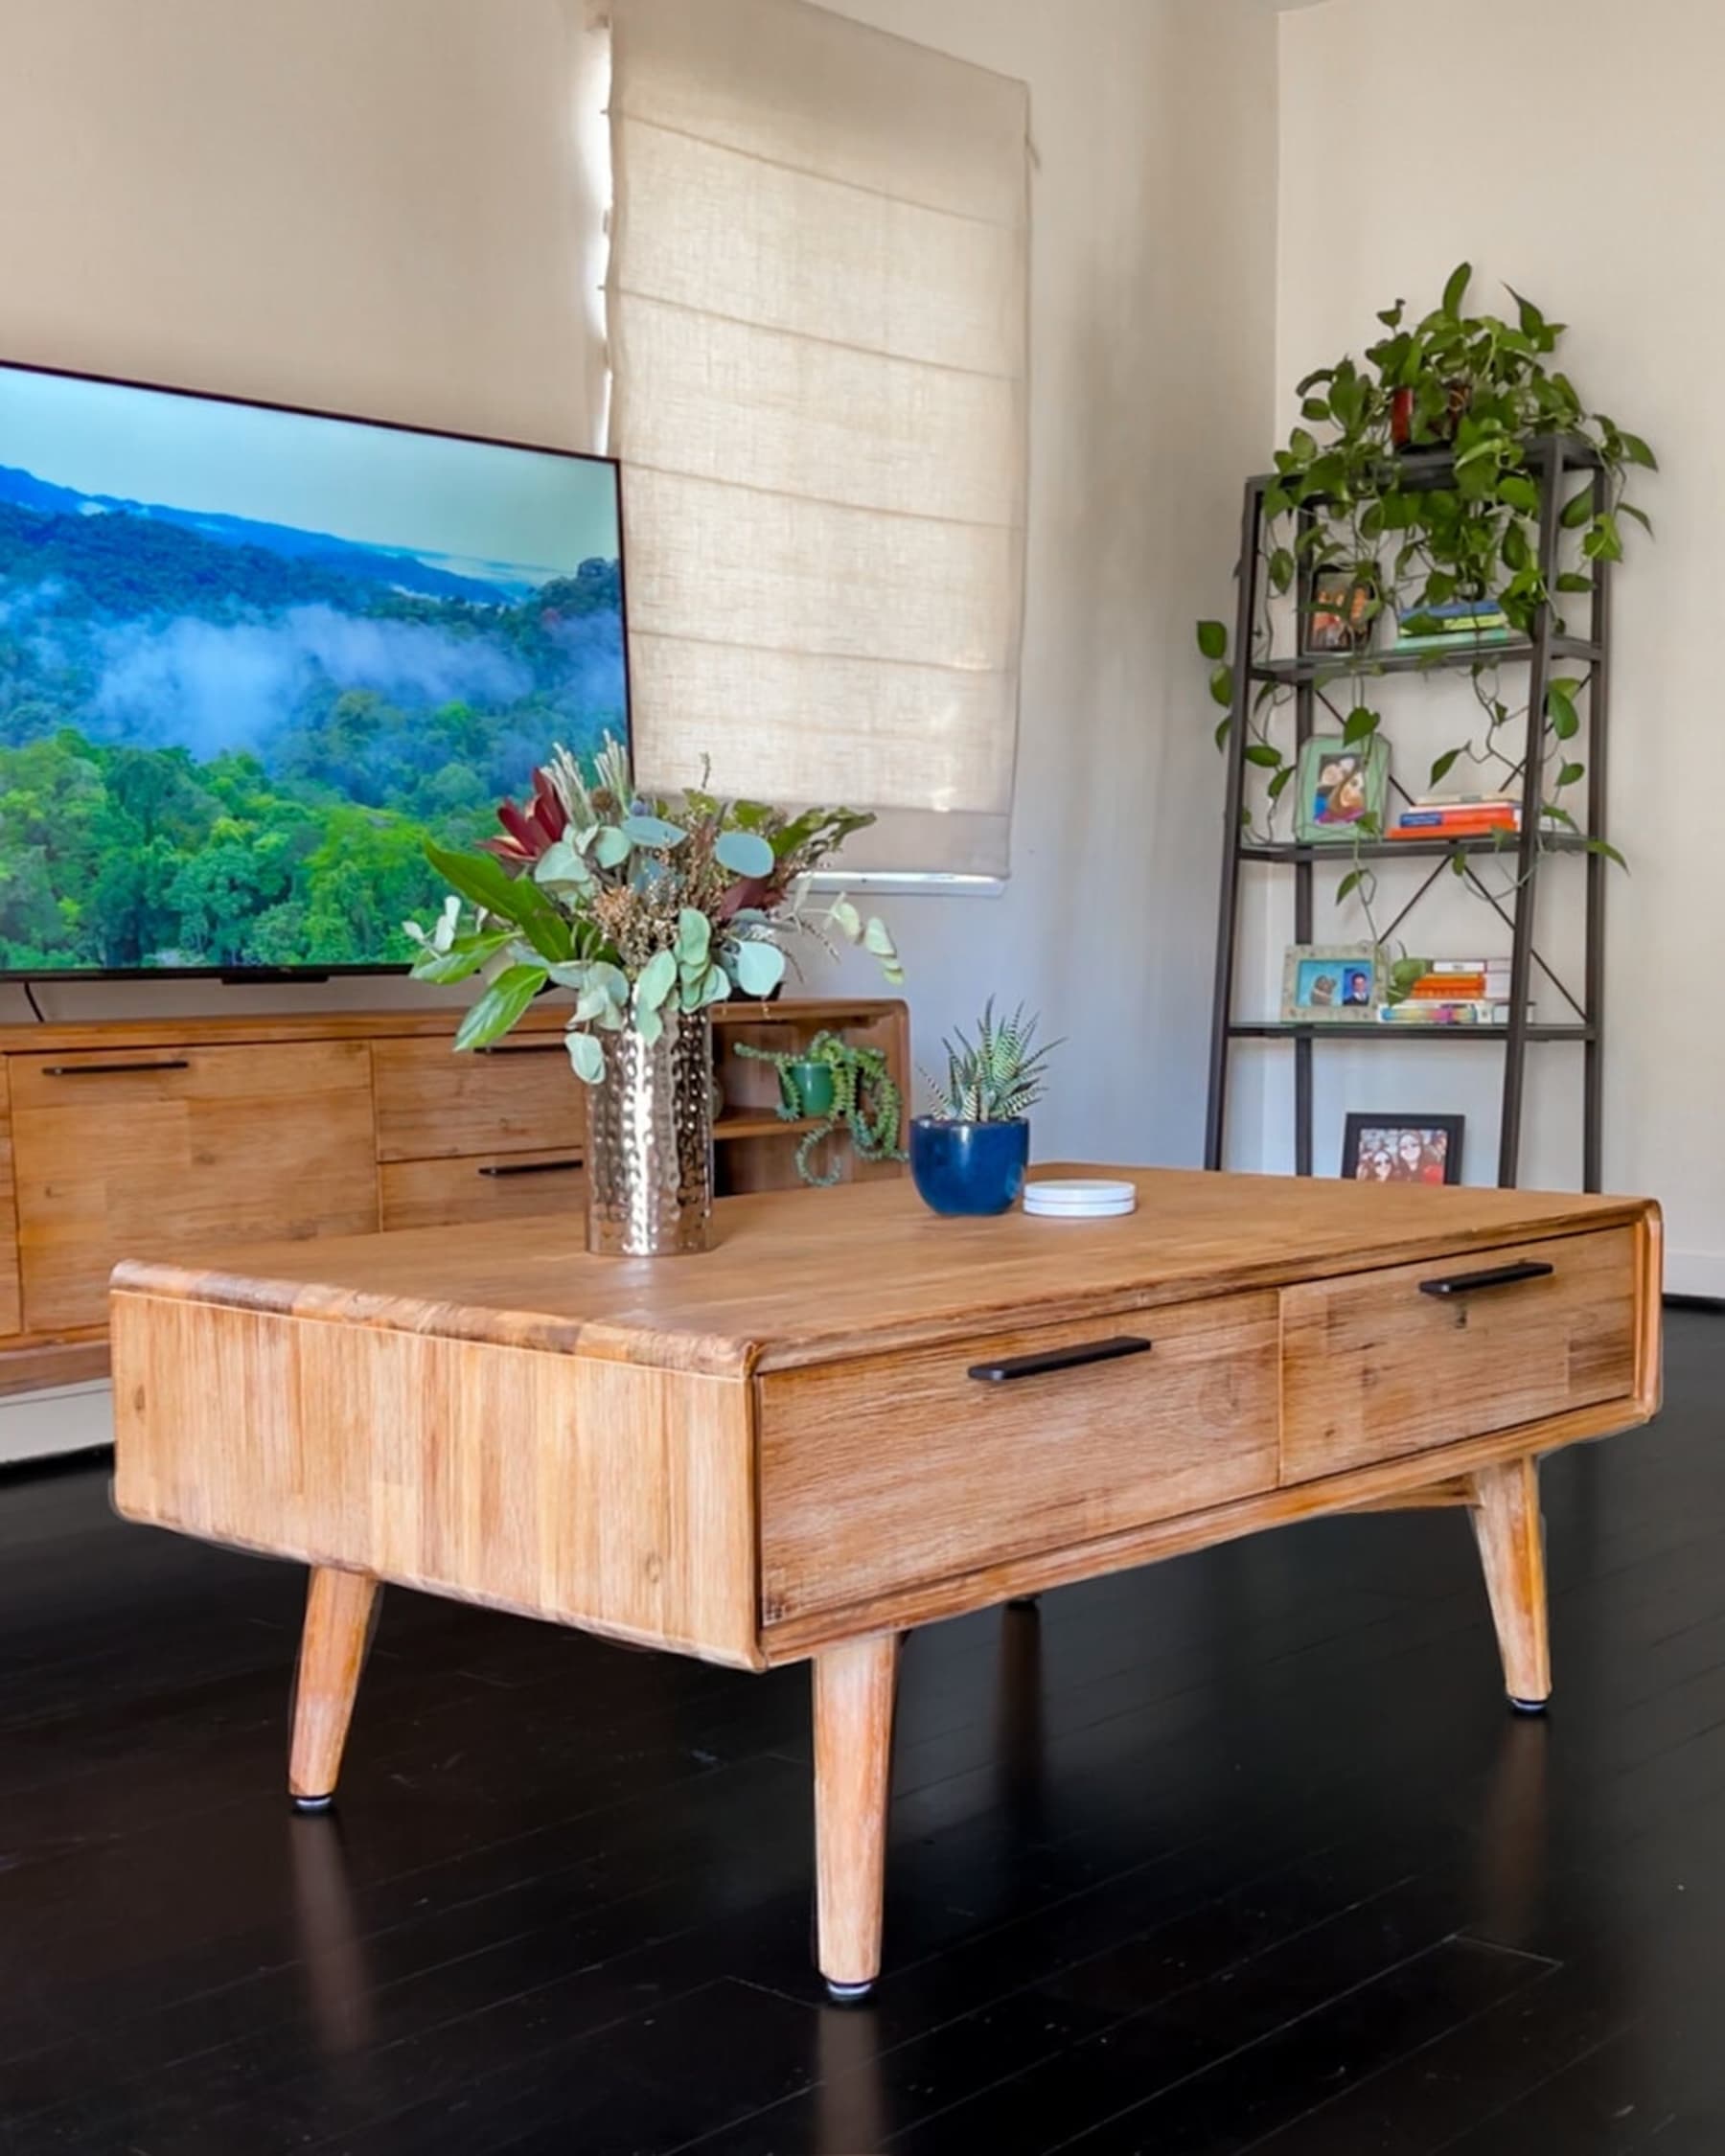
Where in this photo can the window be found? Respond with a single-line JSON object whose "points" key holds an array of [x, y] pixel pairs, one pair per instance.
{"points": [[816, 322]]}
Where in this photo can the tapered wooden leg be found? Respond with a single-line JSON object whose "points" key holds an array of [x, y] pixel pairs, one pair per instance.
{"points": [[1512, 1538], [340, 1612], [854, 1688]]}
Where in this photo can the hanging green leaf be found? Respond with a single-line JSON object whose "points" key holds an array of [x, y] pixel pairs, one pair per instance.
{"points": [[1279, 784], [1444, 765], [1518, 491], [1604, 542], [1360, 722], [1349, 884], [1212, 639], [1569, 773], [1609, 852], [1560, 710], [1577, 509], [1222, 686], [1281, 569], [1572, 581], [1637, 450], [1260, 754], [1628, 509]]}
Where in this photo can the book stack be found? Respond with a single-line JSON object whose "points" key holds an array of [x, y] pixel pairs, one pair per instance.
{"points": [[1454, 992], [1458, 621], [1457, 815]]}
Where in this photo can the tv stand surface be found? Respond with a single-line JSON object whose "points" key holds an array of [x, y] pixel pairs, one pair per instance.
{"points": [[156, 1137]]}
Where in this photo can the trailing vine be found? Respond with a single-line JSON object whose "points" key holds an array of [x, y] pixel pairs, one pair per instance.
{"points": [[866, 1100], [1352, 496]]}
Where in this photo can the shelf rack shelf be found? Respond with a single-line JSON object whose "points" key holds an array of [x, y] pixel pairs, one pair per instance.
{"points": [[1550, 460]]}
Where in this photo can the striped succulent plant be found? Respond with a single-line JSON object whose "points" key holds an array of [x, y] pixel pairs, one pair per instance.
{"points": [[997, 1078]]}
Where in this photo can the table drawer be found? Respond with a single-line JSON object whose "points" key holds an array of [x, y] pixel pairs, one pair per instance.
{"points": [[505, 1185], [1376, 1365], [894, 1470], [519, 1096]]}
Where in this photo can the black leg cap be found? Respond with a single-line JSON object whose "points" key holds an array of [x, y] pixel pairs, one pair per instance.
{"points": [[1023, 1602], [310, 1805], [1529, 1705], [848, 1994]]}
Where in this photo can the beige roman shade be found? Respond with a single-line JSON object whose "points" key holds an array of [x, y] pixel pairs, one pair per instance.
{"points": [[816, 322]]}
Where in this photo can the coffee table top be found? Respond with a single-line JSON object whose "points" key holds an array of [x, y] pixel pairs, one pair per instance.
{"points": [[802, 1275]]}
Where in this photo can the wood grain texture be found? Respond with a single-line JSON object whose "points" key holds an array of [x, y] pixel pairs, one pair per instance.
{"points": [[435, 1105], [449, 1193], [1511, 1535], [618, 1499], [171, 1029], [55, 1362], [1374, 1367], [11, 1301], [277, 1140], [808, 1277], [928, 1601], [854, 1690], [883, 1472], [341, 1613]]}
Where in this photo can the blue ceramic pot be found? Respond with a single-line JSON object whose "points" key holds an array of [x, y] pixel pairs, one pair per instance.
{"points": [[968, 1167]]}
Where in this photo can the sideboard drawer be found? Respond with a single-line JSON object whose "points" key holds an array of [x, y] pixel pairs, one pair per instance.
{"points": [[503, 1186], [11, 1310], [147, 1152], [1416, 1356], [519, 1096], [893, 1470]]}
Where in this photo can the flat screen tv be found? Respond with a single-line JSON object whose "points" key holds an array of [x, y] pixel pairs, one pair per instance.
{"points": [[251, 657]]}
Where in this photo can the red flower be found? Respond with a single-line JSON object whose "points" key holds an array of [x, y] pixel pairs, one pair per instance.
{"points": [[531, 830]]}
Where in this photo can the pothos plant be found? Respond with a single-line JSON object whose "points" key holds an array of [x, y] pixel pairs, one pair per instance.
{"points": [[637, 906], [1412, 532], [866, 1100]]}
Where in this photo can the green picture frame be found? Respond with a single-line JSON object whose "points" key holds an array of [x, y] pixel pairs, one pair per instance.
{"points": [[1341, 787]]}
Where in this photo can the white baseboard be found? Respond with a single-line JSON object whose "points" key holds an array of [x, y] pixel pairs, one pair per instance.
{"points": [[1695, 1273], [62, 1418]]}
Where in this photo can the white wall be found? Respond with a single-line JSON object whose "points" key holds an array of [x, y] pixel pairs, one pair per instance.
{"points": [[373, 205], [1570, 148]]}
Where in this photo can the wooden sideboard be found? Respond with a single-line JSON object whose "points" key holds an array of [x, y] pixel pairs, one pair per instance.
{"points": [[153, 1138]]}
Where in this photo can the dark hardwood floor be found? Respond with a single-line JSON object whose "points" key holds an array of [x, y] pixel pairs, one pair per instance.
{"points": [[1240, 1852]]}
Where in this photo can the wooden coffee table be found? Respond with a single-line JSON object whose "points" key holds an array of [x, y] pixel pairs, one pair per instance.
{"points": [[853, 1417]]}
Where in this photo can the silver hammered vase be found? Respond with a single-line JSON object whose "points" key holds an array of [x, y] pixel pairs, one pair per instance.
{"points": [[650, 1141]]}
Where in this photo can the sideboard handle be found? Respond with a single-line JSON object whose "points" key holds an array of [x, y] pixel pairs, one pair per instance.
{"points": [[528, 1168], [111, 1070], [1059, 1358], [1499, 1276], [526, 1048]]}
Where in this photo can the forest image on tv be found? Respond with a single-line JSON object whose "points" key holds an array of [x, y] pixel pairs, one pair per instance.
{"points": [[250, 660]]}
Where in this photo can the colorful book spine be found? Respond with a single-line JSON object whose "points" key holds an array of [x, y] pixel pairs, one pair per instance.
{"points": [[1471, 1011]]}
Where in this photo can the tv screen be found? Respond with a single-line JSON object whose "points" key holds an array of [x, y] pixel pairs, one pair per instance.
{"points": [[251, 658]]}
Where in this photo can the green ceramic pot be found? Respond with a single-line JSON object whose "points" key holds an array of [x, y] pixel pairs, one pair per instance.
{"points": [[812, 1084]]}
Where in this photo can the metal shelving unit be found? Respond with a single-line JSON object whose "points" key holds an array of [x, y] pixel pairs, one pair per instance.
{"points": [[1549, 462]]}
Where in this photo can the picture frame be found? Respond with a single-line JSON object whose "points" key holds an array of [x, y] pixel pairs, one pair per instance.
{"points": [[1397, 1147], [1342, 612], [1331, 984], [1340, 786]]}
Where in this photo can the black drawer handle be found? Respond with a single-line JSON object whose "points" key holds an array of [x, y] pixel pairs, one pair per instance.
{"points": [[1499, 1276], [111, 1070], [526, 1048], [1059, 1358], [528, 1168]]}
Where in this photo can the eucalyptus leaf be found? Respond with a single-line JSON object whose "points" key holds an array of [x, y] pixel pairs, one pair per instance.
{"points": [[561, 864], [649, 1024], [759, 968], [745, 853], [713, 987], [655, 980], [611, 847], [587, 1057], [694, 935], [652, 831]]}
